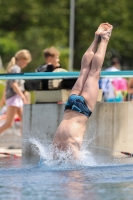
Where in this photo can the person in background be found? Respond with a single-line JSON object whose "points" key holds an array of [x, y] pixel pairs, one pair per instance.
{"points": [[120, 86], [109, 93], [115, 65], [3, 99], [14, 91], [108, 90], [51, 56], [114, 89]]}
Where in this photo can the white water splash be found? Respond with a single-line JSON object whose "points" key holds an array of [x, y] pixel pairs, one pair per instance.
{"points": [[65, 159]]}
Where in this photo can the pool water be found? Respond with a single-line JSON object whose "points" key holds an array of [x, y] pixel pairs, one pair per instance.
{"points": [[94, 178]]}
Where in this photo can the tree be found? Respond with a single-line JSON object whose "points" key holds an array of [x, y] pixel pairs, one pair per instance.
{"points": [[89, 14], [35, 25]]}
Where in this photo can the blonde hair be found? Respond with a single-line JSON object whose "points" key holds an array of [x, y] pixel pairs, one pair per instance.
{"points": [[52, 51], [22, 54]]}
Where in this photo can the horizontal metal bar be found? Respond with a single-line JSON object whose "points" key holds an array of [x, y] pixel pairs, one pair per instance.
{"points": [[59, 75], [39, 75], [112, 74]]}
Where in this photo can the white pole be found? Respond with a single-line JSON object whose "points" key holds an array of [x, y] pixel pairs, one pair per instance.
{"points": [[71, 34]]}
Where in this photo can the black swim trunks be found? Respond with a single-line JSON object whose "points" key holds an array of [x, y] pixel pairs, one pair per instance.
{"points": [[77, 103]]}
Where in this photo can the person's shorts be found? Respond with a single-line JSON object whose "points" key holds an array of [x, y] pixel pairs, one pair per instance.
{"points": [[77, 103], [15, 101]]}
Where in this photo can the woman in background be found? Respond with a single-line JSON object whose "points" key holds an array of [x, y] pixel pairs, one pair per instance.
{"points": [[14, 91]]}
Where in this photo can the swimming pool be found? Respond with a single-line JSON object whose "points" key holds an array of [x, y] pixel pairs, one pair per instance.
{"points": [[94, 178]]}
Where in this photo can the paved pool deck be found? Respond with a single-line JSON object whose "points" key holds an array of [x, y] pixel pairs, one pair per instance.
{"points": [[10, 143]]}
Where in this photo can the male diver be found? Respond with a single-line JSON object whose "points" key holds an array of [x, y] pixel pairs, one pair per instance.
{"points": [[83, 96]]}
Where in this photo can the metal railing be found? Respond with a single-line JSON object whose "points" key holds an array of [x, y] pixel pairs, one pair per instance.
{"points": [[59, 75]]}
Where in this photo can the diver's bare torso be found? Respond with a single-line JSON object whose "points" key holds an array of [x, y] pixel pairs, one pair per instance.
{"points": [[71, 130]]}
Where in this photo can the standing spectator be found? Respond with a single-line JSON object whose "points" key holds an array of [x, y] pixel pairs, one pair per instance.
{"points": [[120, 85], [14, 92], [115, 65], [115, 89], [109, 93], [108, 90], [51, 56]]}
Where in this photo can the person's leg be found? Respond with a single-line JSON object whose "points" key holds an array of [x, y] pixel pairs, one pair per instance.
{"points": [[86, 61], [11, 110], [91, 86], [20, 114]]}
